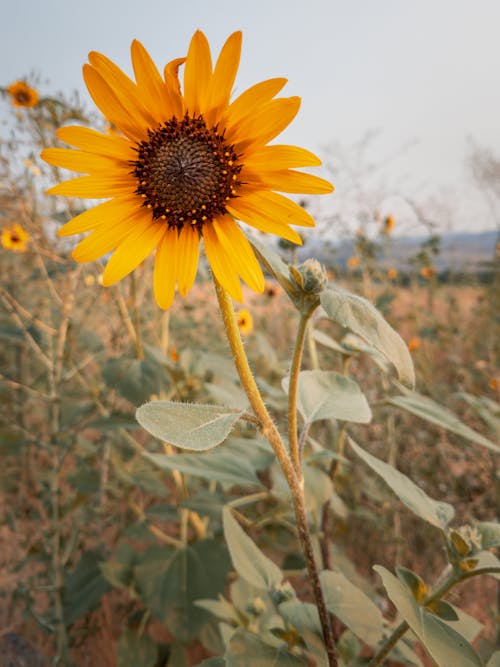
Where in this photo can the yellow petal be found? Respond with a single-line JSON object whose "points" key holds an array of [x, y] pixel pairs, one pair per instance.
{"points": [[296, 182], [109, 104], [110, 212], [123, 87], [171, 74], [197, 74], [222, 269], [274, 207], [132, 251], [151, 87], [249, 101], [223, 78], [244, 210], [265, 124], [239, 252], [187, 258], [87, 163], [105, 238], [95, 187], [165, 271], [95, 142], [271, 158]]}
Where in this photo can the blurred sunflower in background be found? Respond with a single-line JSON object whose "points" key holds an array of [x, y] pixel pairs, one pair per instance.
{"points": [[245, 321], [22, 95], [186, 165], [15, 238]]}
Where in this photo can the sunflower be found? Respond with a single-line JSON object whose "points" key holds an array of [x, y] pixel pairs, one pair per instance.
{"points": [[15, 238], [186, 165], [22, 95], [245, 321]]}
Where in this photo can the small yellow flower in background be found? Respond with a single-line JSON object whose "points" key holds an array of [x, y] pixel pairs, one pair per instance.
{"points": [[22, 95], [428, 272], [15, 238], [186, 165], [353, 262], [392, 274], [245, 321], [389, 224], [494, 383], [173, 354], [89, 280], [415, 343], [498, 248]]}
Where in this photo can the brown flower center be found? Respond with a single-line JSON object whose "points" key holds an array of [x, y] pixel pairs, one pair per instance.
{"points": [[186, 172]]}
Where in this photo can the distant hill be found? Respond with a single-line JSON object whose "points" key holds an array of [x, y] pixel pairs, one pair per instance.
{"points": [[459, 251]]}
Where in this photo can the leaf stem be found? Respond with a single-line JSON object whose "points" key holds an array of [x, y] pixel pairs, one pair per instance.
{"points": [[293, 391]]}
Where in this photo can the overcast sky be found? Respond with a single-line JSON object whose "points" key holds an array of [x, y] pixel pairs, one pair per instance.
{"points": [[424, 73]]}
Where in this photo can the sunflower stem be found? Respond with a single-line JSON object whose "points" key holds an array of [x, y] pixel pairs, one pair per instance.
{"points": [[295, 450], [293, 477]]}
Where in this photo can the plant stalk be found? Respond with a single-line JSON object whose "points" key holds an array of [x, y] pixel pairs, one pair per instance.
{"points": [[292, 476]]}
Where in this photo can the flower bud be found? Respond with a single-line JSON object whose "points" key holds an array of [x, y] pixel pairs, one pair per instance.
{"points": [[310, 276]]}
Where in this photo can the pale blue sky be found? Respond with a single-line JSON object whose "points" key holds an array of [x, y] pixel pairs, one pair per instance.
{"points": [[416, 70]]}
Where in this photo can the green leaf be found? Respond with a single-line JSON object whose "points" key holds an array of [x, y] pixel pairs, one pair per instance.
{"points": [[427, 409], [329, 395], [188, 425], [170, 581], [352, 606], [443, 643], [494, 661], [275, 265], [437, 513], [248, 560], [490, 534], [212, 662], [304, 617], [442, 609], [235, 463], [247, 650], [327, 341], [487, 559], [360, 316], [416, 585], [135, 650], [84, 587]]}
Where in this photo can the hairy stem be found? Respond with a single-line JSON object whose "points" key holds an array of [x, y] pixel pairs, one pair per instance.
{"points": [[292, 476], [292, 393]]}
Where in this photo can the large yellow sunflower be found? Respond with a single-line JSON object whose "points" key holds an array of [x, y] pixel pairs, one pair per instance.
{"points": [[187, 165]]}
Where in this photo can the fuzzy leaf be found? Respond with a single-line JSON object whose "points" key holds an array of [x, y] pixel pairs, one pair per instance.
{"points": [[437, 513], [329, 395], [360, 316], [248, 560], [247, 649], [427, 409], [188, 425], [352, 606], [443, 643]]}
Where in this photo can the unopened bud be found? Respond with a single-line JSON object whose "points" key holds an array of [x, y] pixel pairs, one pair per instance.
{"points": [[310, 276]]}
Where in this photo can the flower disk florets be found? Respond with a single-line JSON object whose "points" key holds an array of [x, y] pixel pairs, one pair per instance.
{"points": [[186, 172]]}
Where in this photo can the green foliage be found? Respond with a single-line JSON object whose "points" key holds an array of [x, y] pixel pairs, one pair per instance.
{"points": [[444, 644], [189, 426], [436, 512], [427, 409], [329, 395], [357, 314], [353, 607]]}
